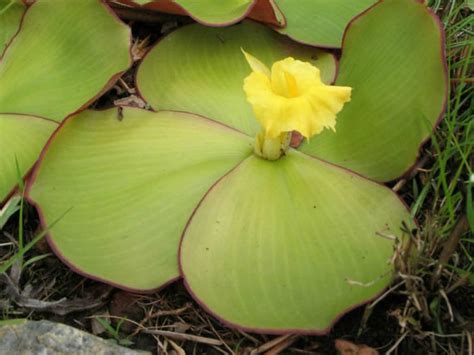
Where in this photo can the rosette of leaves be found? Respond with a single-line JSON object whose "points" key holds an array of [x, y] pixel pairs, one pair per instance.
{"points": [[316, 22], [59, 58], [269, 246]]}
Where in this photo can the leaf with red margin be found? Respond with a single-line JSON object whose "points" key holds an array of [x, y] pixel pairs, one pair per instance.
{"points": [[11, 12], [130, 187], [287, 246], [394, 59], [215, 12], [61, 59]]}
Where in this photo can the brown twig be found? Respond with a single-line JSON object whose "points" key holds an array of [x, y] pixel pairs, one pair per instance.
{"points": [[450, 246], [270, 344], [282, 346], [162, 313], [413, 172], [183, 336]]}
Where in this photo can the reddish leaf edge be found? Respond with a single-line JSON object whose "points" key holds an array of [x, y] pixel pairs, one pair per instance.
{"points": [[31, 178], [444, 107], [282, 331], [118, 75], [251, 12], [17, 31]]}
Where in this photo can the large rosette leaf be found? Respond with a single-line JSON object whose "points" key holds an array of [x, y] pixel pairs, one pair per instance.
{"points": [[287, 246], [393, 58], [58, 62], [62, 58], [201, 70], [128, 188]]}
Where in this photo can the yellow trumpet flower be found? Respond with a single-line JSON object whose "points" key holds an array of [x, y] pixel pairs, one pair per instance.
{"points": [[290, 97]]}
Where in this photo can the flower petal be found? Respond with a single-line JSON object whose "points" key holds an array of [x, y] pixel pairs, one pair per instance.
{"points": [[256, 65], [294, 98], [303, 74]]}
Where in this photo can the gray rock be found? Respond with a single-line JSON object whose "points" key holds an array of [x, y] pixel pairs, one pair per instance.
{"points": [[48, 338]]}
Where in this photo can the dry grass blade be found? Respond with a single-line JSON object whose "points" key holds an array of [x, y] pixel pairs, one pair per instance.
{"points": [[185, 337], [270, 344], [282, 346], [397, 343], [176, 347]]}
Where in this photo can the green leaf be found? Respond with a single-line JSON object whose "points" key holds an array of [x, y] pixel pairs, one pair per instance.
{"points": [[21, 139], [290, 245], [216, 11], [201, 70], [35, 259], [470, 203], [62, 58], [19, 256], [131, 186], [393, 58], [10, 208], [319, 22], [11, 12]]}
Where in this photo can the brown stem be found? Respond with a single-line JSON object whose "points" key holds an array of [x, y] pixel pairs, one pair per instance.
{"points": [[450, 246]]}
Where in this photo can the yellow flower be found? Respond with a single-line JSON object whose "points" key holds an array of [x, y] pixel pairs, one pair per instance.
{"points": [[292, 97]]}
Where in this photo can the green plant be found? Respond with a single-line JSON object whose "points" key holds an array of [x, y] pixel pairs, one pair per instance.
{"points": [[270, 246], [114, 332], [10, 208]]}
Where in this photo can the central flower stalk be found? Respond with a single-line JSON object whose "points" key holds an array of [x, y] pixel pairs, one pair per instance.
{"points": [[290, 97], [272, 148]]}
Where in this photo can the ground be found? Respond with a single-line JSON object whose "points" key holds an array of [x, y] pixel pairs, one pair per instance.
{"points": [[428, 309]]}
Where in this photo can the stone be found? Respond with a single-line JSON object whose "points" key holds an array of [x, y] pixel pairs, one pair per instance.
{"points": [[48, 338]]}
